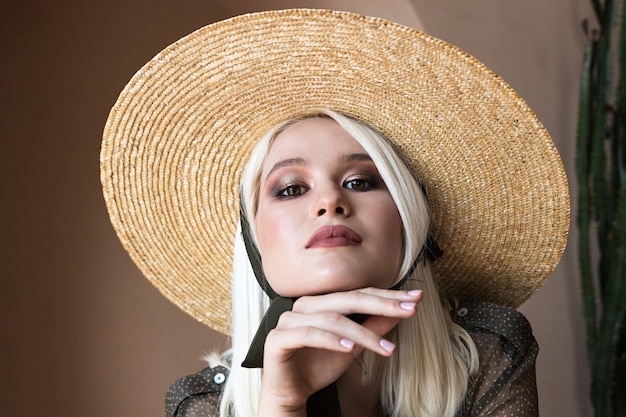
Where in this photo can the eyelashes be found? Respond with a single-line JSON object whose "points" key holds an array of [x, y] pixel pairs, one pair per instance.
{"points": [[292, 188], [362, 183]]}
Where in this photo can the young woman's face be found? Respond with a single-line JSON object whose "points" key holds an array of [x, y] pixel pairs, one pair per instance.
{"points": [[325, 221]]}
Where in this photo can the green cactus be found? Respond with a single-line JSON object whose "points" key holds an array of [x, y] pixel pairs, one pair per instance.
{"points": [[601, 174]]}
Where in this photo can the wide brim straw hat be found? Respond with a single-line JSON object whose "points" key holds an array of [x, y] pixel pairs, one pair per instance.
{"points": [[181, 131]]}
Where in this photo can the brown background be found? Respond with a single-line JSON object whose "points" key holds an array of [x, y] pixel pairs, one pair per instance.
{"points": [[83, 334]]}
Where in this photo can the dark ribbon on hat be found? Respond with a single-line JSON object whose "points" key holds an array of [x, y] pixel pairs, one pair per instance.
{"points": [[324, 402]]}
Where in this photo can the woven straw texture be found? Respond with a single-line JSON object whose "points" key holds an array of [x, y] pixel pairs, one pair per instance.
{"points": [[177, 139]]}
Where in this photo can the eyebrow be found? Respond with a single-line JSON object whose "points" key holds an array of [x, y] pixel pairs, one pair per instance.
{"points": [[285, 163], [352, 157], [356, 157]]}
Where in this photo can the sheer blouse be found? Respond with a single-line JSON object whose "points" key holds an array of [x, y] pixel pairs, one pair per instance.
{"points": [[505, 384]]}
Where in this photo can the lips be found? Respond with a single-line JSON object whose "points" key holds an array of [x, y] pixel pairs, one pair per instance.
{"points": [[330, 236]]}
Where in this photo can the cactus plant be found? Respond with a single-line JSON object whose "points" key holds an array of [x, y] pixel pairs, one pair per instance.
{"points": [[601, 175]]}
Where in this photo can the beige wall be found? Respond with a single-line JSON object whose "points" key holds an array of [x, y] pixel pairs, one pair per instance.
{"points": [[83, 333]]}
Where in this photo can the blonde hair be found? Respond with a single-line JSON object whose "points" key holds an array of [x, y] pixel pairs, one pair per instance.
{"points": [[429, 374]]}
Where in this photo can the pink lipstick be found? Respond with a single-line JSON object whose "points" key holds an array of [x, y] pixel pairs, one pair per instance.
{"points": [[329, 236]]}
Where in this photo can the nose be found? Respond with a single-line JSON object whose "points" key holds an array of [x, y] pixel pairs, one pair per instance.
{"points": [[331, 200]]}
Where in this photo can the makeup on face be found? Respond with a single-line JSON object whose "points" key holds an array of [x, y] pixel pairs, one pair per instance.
{"points": [[325, 220]]}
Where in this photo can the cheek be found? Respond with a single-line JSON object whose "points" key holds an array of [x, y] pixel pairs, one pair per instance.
{"points": [[274, 244], [266, 228], [391, 227], [389, 216], [274, 230]]}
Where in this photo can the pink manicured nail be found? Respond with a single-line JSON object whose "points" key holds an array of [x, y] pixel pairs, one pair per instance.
{"points": [[407, 306], [414, 293], [387, 345], [348, 344]]}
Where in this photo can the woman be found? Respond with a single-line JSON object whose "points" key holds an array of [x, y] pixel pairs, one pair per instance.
{"points": [[313, 175], [352, 114]]}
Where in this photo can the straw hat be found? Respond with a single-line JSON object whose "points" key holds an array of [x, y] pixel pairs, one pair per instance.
{"points": [[181, 131]]}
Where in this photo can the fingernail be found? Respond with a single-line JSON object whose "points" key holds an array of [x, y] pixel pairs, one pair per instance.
{"points": [[347, 343], [407, 306], [414, 293], [387, 345]]}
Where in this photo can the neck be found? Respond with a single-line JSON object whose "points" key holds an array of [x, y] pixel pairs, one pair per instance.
{"points": [[355, 398]]}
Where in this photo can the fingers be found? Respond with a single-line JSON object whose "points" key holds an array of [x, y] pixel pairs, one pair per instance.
{"points": [[320, 321], [292, 338], [372, 301], [316, 342], [334, 331]]}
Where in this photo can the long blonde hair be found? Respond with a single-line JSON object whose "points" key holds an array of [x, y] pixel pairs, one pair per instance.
{"points": [[429, 374]]}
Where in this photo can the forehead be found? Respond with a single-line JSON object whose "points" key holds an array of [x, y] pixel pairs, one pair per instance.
{"points": [[311, 137]]}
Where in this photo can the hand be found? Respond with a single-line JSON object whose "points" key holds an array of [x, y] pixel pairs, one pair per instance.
{"points": [[315, 343]]}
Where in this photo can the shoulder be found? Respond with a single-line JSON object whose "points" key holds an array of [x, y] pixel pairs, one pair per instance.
{"points": [[507, 351], [196, 395], [508, 324]]}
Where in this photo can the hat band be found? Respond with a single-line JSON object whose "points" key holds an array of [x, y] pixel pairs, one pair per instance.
{"points": [[324, 402], [430, 251], [254, 359]]}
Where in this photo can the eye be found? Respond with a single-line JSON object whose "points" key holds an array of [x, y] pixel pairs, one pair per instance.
{"points": [[291, 191], [360, 184]]}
